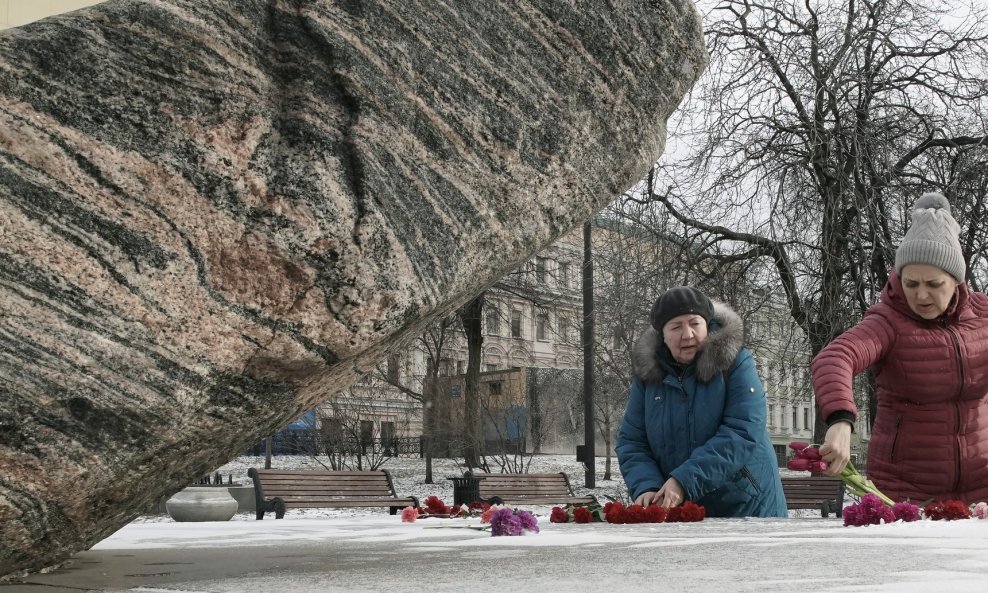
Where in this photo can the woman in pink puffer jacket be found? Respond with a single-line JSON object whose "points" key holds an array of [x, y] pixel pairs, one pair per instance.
{"points": [[927, 344]]}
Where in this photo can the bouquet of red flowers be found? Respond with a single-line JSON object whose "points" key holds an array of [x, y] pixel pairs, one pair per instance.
{"points": [[688, 512], [436, 507], [619, 513], [577, 513]]}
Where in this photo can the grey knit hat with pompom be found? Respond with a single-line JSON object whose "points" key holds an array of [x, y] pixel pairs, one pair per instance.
{"points": [[932, 238]]}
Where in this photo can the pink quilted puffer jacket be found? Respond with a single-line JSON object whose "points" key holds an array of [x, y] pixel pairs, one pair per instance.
{"points": [[930, 436]]}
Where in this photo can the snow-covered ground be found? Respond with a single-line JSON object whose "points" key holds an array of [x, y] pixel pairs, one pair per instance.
{"points": [[368, 550], [369, 554]]}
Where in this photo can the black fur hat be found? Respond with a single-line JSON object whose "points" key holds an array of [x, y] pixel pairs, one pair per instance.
{"points": [[680, 300]]}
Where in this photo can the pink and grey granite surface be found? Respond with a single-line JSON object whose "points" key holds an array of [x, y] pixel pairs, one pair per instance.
{"points": [[215, 214]]}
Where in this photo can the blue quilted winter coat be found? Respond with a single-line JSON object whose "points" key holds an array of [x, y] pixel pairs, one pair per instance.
{"points": [[708, 434]]}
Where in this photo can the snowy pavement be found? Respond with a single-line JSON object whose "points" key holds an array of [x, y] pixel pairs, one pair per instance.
{"points": [[372, 553]]}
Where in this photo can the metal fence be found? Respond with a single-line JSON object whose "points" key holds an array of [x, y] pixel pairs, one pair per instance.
{"points": [[310, 442]]}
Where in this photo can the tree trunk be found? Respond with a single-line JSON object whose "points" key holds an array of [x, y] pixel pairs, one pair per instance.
{"points": [[429, 417], [470, 316]]}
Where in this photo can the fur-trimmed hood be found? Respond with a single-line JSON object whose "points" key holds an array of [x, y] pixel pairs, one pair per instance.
{"points": [[724, 341]]}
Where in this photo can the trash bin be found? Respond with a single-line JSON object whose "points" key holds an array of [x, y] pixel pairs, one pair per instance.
{"points": [[466, 489], [581, 453]]}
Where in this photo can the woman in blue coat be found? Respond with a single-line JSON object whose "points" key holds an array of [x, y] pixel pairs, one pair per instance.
{"points": [[694, 428]]}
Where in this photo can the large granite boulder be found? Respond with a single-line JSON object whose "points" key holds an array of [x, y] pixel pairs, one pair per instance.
{"points": [[215, 214]]}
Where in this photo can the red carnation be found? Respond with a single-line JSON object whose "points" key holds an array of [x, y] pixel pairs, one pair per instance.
{"points": [[614, 512], [636, 514], [435, 506], [582, 515], [950, 510], [655, 513], [956, 509], [558, 515], [690, 512]]}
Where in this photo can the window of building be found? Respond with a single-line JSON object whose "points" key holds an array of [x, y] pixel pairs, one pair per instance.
{"points": [[541, 326], [495, 387], [446, 367], [563, 278], [461, 367], [564, 329], [389, 439], [795, 417], [540, 267], [366, 434], [806, 418], [771, 414], [493, 320], [332, 434], [491, 367], [515, 323], [780, 454]]}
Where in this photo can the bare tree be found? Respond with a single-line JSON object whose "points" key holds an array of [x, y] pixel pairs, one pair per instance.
{"points": [[350, 439], [434, 343], [816, 126], [471, 319]]}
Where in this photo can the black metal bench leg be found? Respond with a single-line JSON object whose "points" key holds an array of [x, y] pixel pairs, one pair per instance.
{"points": [[275, 505]]}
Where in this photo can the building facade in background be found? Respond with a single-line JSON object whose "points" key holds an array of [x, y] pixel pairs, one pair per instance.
{"points": [[14, 13]]}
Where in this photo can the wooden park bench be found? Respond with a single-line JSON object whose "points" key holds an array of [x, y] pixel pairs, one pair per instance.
{"points": [[533, 489], [277, 490], [814, 492]]}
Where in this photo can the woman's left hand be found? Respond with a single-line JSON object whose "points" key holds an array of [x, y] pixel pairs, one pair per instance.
{"points": [[671, 493]]}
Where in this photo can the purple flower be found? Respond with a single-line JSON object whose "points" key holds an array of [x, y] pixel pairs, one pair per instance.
{"points": [[871, 510], [528, 521], [507, 522], [850, 514], [905, 511], [504, 522]]}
